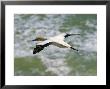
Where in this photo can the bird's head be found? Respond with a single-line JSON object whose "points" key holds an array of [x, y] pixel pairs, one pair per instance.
{"points": [[39, 39]]}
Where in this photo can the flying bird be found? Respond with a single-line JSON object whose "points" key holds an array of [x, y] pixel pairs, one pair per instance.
{"points": [[56, 40]]}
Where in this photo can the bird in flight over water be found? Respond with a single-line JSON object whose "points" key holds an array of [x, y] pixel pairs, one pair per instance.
{"points": [[56, 40]]}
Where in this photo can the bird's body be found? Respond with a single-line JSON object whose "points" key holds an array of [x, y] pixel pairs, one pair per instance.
{"points": [[56, 40]]}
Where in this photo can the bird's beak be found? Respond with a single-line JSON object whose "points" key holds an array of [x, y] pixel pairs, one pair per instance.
{"points": [[34, 40]]}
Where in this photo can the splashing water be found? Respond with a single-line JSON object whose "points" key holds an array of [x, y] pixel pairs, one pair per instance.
{"points": [[27, 27]]}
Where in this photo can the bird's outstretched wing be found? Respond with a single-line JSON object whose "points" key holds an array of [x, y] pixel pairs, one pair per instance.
{"points": [[66, 35], [41, 46]]}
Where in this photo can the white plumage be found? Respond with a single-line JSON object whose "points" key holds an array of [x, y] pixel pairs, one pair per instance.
{"points": [[56, 40]]}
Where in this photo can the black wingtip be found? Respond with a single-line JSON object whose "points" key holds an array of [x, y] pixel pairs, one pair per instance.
{"points": [[34, 51], [38, 49], [70, 35], [67, 35]]}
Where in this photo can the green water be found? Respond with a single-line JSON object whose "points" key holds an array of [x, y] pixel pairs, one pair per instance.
{"points": [[30, 66], [27, 64]]}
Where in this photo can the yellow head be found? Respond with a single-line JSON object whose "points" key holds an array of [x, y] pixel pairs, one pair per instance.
{"points": [[39, 39]]}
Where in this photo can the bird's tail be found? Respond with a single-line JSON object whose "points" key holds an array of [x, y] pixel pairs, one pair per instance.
{"points": [[74, 49]]}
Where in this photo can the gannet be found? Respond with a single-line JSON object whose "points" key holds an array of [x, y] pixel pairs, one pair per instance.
{"points": [[56, 40]]}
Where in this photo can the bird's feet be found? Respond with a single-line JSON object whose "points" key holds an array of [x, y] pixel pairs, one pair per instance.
{"points": [[74, 49]]}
